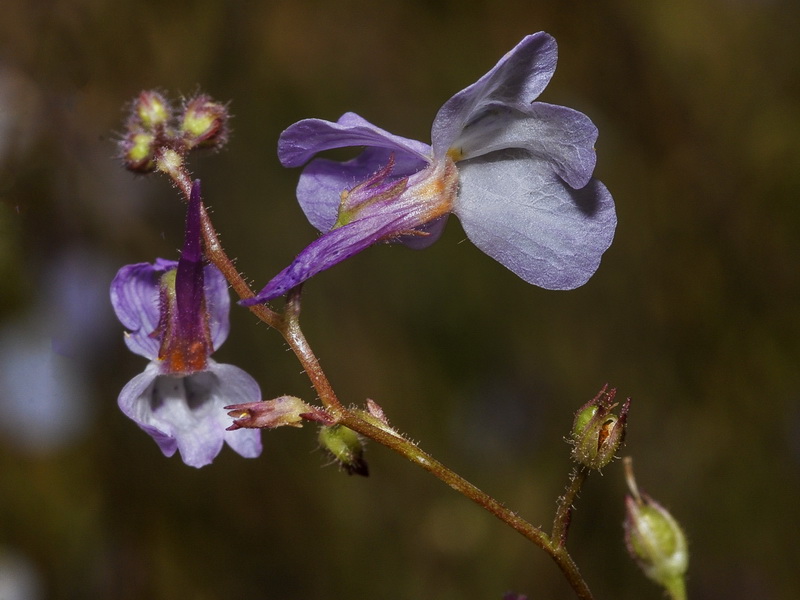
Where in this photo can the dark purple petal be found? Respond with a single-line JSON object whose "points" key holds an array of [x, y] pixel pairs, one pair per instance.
{"points": [[135, 298], [515, 209], [332, 248], [187, 413], [559, 135], [191, 323], [306, 138], [323, 181], [514, 82]]}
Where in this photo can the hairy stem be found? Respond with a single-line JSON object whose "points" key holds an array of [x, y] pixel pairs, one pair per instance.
{"points": [[288, 325], [563, 515]]}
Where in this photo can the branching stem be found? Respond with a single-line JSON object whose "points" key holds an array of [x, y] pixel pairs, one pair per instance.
{"points": [[287, 323]]}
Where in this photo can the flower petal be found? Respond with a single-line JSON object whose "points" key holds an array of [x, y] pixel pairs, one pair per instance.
{"points": [[238, 387], [516, 210], [218, 304], [136, 302], [187, 413], [559, 135], [514, 82], [334, 247], [302, 140], [323, 181], [134, 402], [135, 297]]}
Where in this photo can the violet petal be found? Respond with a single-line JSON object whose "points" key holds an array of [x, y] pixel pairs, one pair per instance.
{"points": [[302, 140], [516, 210], [135, 298], [322, 181], [331, 249], [514, 82]]}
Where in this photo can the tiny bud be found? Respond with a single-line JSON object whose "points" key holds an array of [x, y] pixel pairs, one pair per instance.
{"points": [[654, 539], [138, 152], [151, 110], [170, 162], [376, 411], [597, 433], [344, 446], [285, 410], [204, 123]]}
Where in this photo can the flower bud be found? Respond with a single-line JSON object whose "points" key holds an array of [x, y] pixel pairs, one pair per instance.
{"points": [[345, 447], [597, 433], [284, 410], [151, 110], [138, 152], [654, 539], [204, 123]]}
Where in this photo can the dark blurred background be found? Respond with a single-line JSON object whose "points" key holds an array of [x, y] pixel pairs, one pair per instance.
{"points": [[694, 313]]}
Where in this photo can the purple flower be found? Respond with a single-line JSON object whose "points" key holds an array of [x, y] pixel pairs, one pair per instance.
{"points": [[176, 314], [517, 173]]}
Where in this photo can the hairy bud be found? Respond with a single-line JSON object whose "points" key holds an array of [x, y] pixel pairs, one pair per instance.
{"points": [[597, 433], [345, 447]]}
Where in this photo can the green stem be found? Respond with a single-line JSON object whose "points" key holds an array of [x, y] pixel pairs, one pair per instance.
{"points": [[676, 588], [413, 453]]}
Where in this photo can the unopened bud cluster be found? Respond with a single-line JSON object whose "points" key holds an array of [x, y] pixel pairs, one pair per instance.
{"points": [[154, 130], [597, 433]]}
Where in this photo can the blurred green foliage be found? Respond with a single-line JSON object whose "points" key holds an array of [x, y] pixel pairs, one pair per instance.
{"points": [[695, 311]]}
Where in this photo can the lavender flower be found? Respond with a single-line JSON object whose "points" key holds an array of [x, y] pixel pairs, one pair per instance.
{"points": [[517, 173], [177, 315]]}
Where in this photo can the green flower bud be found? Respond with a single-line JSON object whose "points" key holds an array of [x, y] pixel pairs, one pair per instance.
{"points": [[655, 540], [151, 110], [204, 123], [345, 447], [597, 433], [138, 152]]}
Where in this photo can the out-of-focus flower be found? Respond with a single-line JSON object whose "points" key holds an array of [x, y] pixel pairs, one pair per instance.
{"points": [[46, 394], [654, 539], [176, 314], [517, 173]]}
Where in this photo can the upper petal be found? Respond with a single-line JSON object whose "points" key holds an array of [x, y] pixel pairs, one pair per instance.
{"points": [[322, 181], [218, 304], [302, 140], [514, 82], [135, 298], [514, 208], [136, 302], [561, 136]]}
